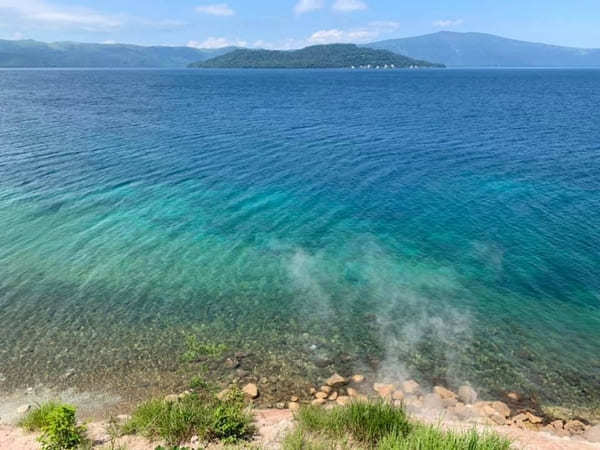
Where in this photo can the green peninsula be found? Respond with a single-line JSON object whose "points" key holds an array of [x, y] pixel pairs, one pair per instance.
{"points": [[333, 56]]}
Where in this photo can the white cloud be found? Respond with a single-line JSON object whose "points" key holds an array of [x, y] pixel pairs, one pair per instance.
{"points": [[447, 23], [42, 13], [217, 42], [341, 36], [216, 9], [349, 5], [304, 6]]}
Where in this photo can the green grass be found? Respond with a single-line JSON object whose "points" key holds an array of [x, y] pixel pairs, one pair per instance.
{"points": [[199, 414], [378, 426]]}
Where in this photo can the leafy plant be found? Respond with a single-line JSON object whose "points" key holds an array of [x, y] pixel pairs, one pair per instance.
{"points": [[61, 432]]}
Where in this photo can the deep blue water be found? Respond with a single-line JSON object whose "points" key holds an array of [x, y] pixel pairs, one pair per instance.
{"points": [[439, 224]]}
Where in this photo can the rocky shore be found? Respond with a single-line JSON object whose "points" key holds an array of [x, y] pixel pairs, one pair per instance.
{"points": [[514, 416]]}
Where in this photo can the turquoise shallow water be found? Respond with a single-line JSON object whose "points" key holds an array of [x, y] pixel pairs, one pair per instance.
{"points": [[442, 224]]}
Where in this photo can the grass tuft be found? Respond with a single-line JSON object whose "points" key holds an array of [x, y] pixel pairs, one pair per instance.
{"points": [[199, 414], [365, 422], [379, 426], [38, 417], [425, 437]]}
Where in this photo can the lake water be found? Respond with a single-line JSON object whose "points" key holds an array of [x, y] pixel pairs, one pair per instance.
{"points": [[439, 224]]}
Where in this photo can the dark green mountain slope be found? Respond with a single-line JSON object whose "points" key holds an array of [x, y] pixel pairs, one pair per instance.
{"points": [[73, 54]]}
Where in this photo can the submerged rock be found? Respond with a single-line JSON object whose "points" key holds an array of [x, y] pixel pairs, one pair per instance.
{"points": [[443, 392], [411, 387], [336, 380], [467, 394], [384, 390], [231, 363], [501, 408]]}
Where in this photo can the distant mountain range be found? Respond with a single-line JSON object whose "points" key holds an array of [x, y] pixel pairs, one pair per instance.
{"points": [[449, 48], [73, 54], [315, 57], [487, 50]]}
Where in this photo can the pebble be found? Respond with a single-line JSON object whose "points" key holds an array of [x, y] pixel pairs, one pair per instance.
{"points": [[322, 395], [294, 399], [318, 401], [172, 398], [293, 406], [23, 409], [326, 389], [333, 396], [358, 379]]}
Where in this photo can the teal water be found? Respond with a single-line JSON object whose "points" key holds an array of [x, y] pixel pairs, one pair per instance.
{"points": [[438, 224]]}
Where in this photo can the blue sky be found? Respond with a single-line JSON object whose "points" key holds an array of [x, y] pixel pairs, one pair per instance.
{"points": [[294, 23]]}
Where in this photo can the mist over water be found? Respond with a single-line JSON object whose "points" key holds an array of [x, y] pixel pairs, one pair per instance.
{"points": [[438, 224]]}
